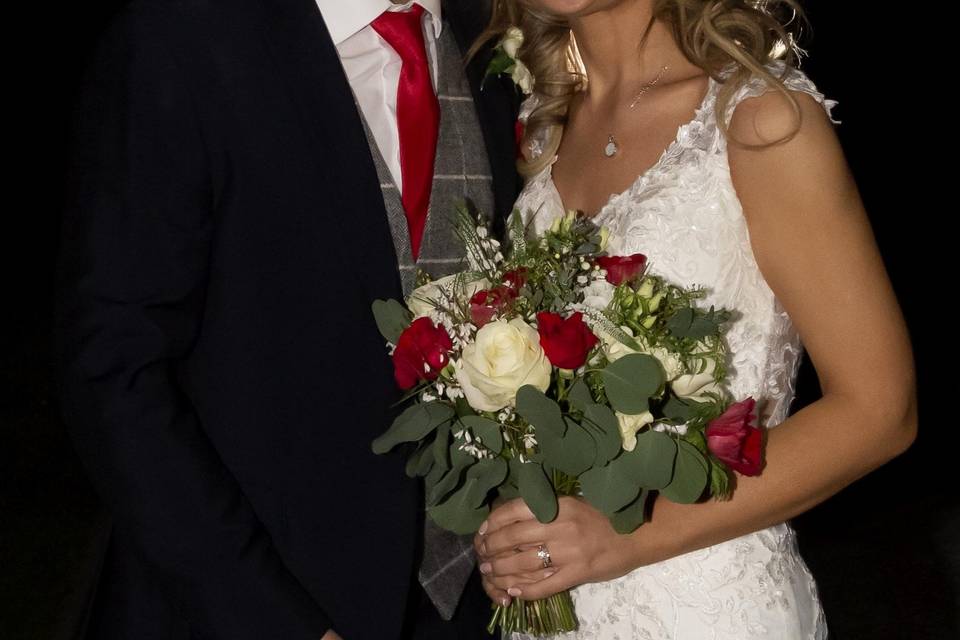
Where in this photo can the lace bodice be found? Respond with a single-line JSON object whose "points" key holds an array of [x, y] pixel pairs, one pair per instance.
{"points": [[684, 214]]}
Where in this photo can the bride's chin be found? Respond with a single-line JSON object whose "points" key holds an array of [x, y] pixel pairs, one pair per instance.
{"points": [[574, 8]]}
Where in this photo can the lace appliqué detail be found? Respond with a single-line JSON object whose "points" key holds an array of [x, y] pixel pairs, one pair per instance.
{"points": [[684, 214]]}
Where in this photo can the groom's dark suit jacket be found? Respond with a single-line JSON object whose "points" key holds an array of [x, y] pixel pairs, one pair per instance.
{"points": [[222, 375]]}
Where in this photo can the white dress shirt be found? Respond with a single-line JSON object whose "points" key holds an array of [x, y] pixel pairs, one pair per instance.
{"points": [[373, 67]]}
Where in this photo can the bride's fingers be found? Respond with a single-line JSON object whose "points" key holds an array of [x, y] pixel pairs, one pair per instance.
{"points": [[525, 534], [545, 588], [524, 580], [496, 594], [509, 512], [527, 561]]}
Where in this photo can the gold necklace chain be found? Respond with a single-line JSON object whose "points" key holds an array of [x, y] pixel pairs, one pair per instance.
{"points": [[613, 148]]}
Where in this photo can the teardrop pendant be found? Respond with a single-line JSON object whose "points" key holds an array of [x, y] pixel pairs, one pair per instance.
{"points": [[611, 149]]}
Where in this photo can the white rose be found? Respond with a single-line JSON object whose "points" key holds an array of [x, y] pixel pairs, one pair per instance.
{"points": [[503, 357], [695, 386], [522, 77], [629, 425], [598, 294], [423, 300], [512, 41]]}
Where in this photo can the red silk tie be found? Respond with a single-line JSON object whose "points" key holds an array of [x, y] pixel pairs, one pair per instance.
{"points": [[418, 115]]}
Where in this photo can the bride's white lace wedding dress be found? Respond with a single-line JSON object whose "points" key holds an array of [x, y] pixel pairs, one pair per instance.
{"points": [[684, 214]]}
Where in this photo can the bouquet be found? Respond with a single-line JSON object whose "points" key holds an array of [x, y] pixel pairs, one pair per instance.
{"points": [[559, 370]]}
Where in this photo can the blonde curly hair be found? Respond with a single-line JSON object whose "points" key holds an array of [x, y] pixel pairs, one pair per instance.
{"points": [[713, 35]]}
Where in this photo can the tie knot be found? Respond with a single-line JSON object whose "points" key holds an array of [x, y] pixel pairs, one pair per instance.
{"points": [[403, 30]]}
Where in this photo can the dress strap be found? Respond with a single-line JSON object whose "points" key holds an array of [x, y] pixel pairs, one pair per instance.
{"points": [[794, 79]]}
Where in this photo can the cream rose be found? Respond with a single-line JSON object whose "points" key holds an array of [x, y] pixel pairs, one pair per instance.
{"points": [[695, 386], [422, 301], [629, 425], [504, 357]]}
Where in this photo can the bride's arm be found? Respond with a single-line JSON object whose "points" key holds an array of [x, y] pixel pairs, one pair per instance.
{"points": [[814, 245]]}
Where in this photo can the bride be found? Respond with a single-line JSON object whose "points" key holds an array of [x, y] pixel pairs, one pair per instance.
{"points": [[727, 174]]}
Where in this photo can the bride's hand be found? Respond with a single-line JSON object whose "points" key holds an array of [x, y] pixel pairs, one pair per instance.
{"points": [[583, 548]]}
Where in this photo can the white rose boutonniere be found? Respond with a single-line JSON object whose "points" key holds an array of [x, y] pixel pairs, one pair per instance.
{"points": [[505, 61]]}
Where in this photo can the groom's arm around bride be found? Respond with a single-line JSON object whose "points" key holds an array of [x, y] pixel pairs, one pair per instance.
{"points": [[222, 376]]}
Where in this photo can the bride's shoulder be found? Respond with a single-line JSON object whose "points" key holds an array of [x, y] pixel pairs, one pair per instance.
{"points": [[759, 112]]}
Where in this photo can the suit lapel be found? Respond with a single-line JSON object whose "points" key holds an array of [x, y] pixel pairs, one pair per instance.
{"points": [[307, 59], [497, 102]]}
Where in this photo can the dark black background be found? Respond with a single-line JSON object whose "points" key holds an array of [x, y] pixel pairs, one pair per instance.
{"points": [[886, 551]]}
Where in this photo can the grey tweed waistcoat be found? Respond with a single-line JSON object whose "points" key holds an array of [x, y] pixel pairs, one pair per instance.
{"points": [[461, 172]]}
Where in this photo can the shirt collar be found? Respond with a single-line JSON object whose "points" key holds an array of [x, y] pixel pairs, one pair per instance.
{"points": [[344, 18]]}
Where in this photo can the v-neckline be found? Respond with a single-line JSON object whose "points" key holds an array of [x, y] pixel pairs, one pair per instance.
{"points": [[668, 151]]}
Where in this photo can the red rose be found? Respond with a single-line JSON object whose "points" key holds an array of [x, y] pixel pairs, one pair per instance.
{"points": [[515, 279], [421, 353], [518, 131], [566, 342], [734, 440], [620, 269], [486, 304]]}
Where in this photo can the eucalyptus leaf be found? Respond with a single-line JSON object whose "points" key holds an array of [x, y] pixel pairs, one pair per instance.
{"points": [[631, 381], [537, 491], [392, 319], [458, 513], [413, 425], [631, 516], [609, 488], [572, 454], [487, 430], [580, 396], [488, 474], [677, 409], [609, 441], [441, 446], [444, 486], [540, 411], [689, 476], [651, 463], [420, 462]]}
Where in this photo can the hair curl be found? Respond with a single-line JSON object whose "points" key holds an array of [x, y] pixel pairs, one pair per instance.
{"points": [[713, 35]]}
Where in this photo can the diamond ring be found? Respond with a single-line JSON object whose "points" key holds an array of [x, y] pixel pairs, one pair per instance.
{"points": [[544, 556]]}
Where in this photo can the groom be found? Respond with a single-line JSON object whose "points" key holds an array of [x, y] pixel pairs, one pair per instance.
{"points": [[248, 176]]}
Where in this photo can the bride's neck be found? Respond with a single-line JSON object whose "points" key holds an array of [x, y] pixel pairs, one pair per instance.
{"points": [[609, 43]]}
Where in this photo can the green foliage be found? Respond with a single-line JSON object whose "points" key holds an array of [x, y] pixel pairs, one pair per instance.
{"points": [[537, 491], [689, 476], [413, 425], [609, 488], [541, 412], [392, 319], [631, 381], [487, 430], [606, 432], [572, 453], [651, 463], [633, 515]]}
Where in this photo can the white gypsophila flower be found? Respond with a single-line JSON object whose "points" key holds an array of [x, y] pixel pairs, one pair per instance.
{"points": [[426, 396], [630, 425], [504, 356], [676, 429], [529, 440], [445, 292], [598, 294]]}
